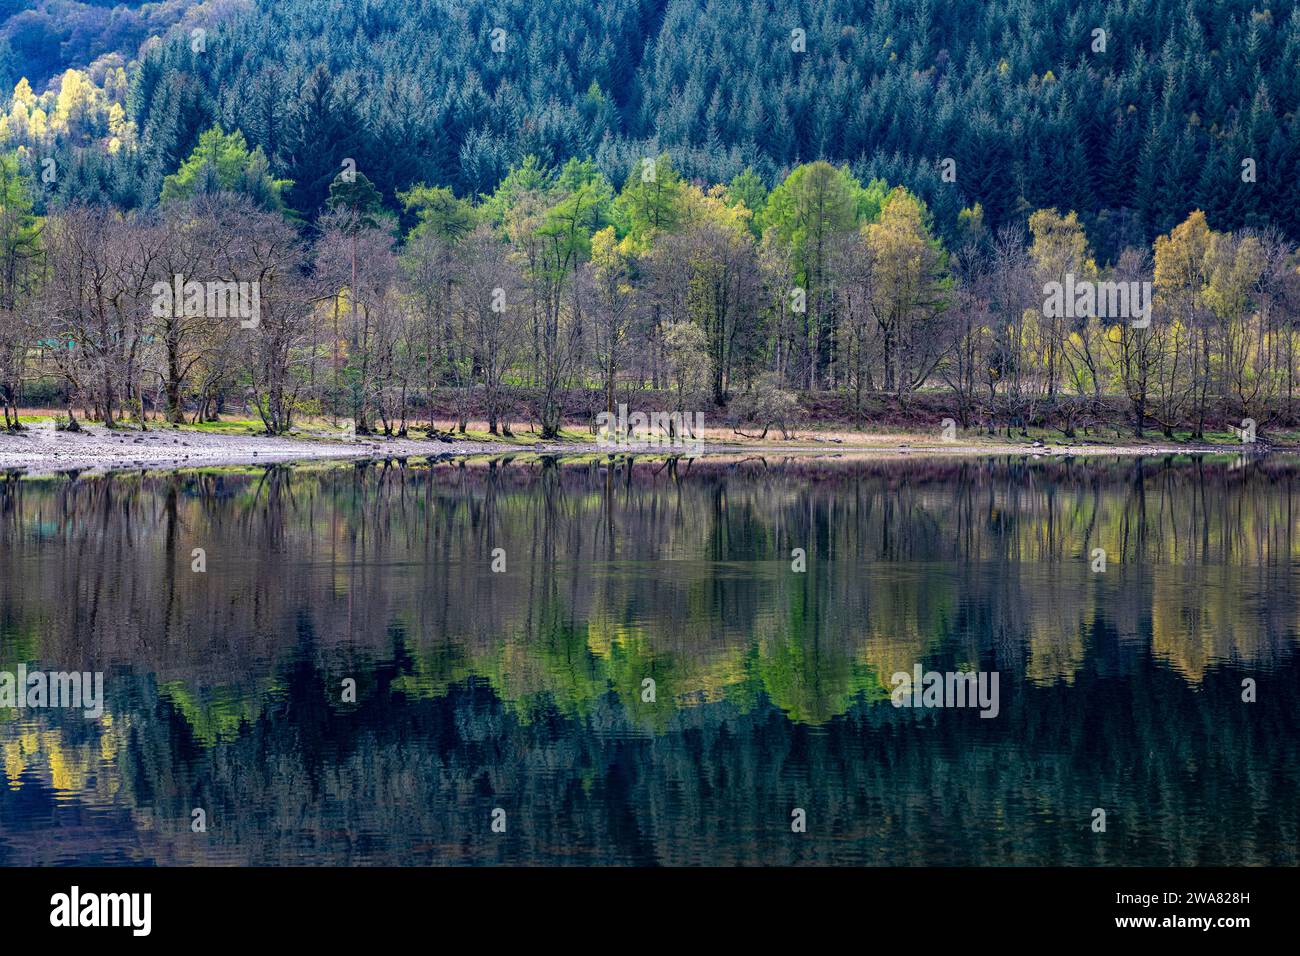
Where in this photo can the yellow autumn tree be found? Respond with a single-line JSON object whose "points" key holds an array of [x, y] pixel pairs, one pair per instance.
{"points": [[1181, 276], [907, 289], [1234, 265], [612, 294], [1060, 254]]}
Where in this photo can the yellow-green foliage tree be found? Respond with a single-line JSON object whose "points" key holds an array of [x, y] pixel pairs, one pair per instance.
{"points": [[908, 290]]}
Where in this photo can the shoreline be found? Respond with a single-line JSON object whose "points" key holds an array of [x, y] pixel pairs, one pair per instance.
{"points": [[41, 450]]}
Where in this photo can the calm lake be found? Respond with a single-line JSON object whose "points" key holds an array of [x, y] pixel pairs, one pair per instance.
{"points": [[524, 689]]}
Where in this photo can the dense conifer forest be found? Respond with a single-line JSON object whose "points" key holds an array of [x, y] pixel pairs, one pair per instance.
{"points": [[1134, 135]]}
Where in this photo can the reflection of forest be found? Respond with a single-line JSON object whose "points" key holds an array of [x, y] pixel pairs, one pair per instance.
{"points": [[523, 688], [1187, 778]]}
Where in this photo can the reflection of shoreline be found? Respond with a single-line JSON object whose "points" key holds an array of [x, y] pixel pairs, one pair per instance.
{"points": [[617, 573]]}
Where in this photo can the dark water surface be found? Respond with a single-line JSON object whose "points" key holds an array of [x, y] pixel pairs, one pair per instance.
{"points": [[522, 690]]}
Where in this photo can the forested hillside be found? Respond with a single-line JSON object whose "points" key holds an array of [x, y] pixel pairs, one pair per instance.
{"points": [[1132, 129], [40, 38]]}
